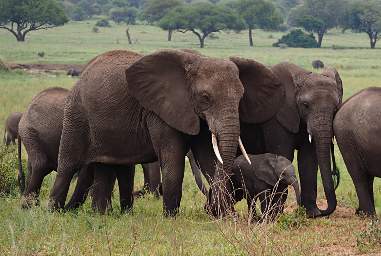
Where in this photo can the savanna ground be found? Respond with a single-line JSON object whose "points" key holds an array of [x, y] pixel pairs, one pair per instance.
{"points": [[145, 231]]}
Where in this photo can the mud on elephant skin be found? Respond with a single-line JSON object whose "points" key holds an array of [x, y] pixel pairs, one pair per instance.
{"points": [[266, 179], [357, 130], [305, 104]]}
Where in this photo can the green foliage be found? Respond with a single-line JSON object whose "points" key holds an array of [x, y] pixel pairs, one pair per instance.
{"points": [[154, 10], [294, 220], [8, 171], [125, 14], [297, 39], [364, 17], [259, 14], [369, 239], [317, 16], [202, 19], [103, 23], [22, 16]]}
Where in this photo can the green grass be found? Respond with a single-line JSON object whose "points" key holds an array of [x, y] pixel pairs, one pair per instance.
{"points": [[39, 232]]}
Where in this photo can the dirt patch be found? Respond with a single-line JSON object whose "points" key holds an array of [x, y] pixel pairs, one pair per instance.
{"points": [[48, 68]]}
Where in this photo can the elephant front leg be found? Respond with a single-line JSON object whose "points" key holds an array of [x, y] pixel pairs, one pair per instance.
{"points": [[170, 147], [307, 166], [104, 178]]}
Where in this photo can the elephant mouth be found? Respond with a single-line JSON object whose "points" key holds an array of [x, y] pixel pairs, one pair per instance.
{"points": [[218, 154]]}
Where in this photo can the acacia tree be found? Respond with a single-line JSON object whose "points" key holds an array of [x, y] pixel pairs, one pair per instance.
{"points": [[20, 17], [258, 14], [317, 16], [202, 19], [364, 17], [155, 10]]}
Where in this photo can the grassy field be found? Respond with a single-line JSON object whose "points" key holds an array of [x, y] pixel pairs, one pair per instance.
{"points": [[145, 231]]}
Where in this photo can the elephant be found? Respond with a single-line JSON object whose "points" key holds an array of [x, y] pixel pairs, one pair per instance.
{"points": [[152, 180], [160, 106], [11, 128], [357, 127], [40, 131], [317, 64], [266, 179], [307, 103]]}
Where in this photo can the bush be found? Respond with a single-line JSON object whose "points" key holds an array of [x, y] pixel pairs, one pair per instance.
{"points": [[298, 39], [8, 170], [103, 23], [95, 29], [3, 67]]}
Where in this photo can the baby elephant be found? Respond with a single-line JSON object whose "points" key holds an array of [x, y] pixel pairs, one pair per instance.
{"points": [[266, 179], [11, 128]]}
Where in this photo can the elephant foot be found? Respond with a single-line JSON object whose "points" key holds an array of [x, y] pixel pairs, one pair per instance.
{"points": [[140, 193], [29, 201], [54, 205], [365, 213], [171, 213], [313, 212]]}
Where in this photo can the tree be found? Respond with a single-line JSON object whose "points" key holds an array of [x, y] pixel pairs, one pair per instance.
{"points": [[317, 16], [364, 17], [155, 10], [202, 19], [127, 15], [20, 17], [258, 14]]}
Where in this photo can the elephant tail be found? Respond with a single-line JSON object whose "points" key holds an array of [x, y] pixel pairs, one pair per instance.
{"points": [[21, 176], [335, 169]]}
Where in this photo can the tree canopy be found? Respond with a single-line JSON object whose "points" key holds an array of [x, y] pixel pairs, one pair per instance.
{"points": [[317, 16], [155, 10], [364, 17], [202, 19], [258, 14], [20, 17]]}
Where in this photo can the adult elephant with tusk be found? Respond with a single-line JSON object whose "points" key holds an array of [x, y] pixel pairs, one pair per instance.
{"points": [[161, 106], [307, 103]]}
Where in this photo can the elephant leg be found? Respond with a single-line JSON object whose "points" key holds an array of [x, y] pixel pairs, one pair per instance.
{"points": [[364, 190], [197, 174], [125, 176], [308, 167], [170, 147], [39, 171], [84, 182], [154, 178], [104, 179]]}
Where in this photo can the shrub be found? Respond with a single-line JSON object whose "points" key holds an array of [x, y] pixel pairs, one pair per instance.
{"points": [[103, 23], [298, 39], [3, 67], [294, 220], [95, 29], [8, 170], [41, 54]]}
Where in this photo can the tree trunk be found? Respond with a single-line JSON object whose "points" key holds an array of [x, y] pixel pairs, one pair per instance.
{"points": [[373, 39], [170, 32], [251, 37], [320, 39], [202, 42], [20, 37], [128, 35]]}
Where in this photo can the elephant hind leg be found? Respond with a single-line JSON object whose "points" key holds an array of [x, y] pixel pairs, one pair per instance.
{"points": [[125, 176], [104, 179]]}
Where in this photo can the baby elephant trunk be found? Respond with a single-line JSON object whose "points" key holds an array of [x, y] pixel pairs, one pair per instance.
{"points": [[295, 185]]}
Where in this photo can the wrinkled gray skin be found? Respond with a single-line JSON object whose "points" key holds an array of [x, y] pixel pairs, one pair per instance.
{"points": [[301, 103], [266, 179], [357, 129], [162, 105], [11, 128], [40, 132]]}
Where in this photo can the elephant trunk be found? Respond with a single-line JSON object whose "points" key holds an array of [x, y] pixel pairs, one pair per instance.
{"points": [[221, 190], [323, 140]]}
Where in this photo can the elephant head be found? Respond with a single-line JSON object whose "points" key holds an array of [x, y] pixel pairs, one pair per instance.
{"points": [[182, 88], [317, 99]]}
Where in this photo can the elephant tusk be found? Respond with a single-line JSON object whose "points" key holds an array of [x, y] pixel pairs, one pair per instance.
{"points": [[215, 148], [310, 138], [243, 150]]}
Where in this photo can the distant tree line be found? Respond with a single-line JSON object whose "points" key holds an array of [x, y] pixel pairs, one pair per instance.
{"points": [[202, 18]]}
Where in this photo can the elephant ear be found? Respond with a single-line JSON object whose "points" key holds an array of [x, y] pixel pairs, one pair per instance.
{"points": [[332, 73], [266, 170], [159, 82], [263, 91], [288, 115]]}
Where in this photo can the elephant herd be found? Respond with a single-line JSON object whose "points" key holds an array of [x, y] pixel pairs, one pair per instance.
{"points": [[127, 109]]}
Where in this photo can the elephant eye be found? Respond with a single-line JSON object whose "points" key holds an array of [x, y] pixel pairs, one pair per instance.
{"points": [[204, 101], [305, 104]]}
